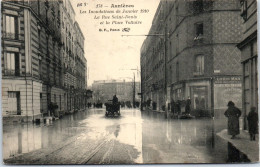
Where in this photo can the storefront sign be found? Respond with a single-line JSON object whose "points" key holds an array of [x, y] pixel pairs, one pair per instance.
{"points": [[227, 89], [228, 80]]}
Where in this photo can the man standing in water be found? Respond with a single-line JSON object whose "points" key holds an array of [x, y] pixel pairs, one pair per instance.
{"points": [[233, 114]]}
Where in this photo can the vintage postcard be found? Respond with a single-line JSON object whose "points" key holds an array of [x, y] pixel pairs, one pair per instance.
{"points": [[129, 82]]}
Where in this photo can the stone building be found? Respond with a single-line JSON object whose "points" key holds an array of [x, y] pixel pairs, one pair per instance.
{"points": [[73, 55], [153, 76], [248, 47], [203, 63], [32, 59], [104, 90]]}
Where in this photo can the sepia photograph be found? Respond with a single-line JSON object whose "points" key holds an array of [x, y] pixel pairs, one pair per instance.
{"points": [[117, 82]]}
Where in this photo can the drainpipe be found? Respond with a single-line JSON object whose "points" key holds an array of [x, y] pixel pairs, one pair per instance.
{"points": [[29, 41], [165, 71], [32, 94], [212, 97], [26, 77], [212, 111]]}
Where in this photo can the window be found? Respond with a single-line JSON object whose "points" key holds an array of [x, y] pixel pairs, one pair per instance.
{"points": [[54, 98], [199, 29], [177, 44], [48, 70], [41, 103], [11, 28], [12, 64], [60, 78], [199, 65], [177, 15], [60, 102], [40, 69], [243, 12], [198, 6], [177, 71], [54, 76]]}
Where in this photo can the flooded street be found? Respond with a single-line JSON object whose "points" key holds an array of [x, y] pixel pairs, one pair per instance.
{"points": [[88, 137]]}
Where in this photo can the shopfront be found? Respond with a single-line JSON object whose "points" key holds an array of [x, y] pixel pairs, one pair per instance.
{"points": [[200, 96], [228, 88]]}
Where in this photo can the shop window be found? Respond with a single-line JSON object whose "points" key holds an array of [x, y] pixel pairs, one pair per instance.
{"points": [[11, 27], [199, 96], [12, 64], [199, 65]]}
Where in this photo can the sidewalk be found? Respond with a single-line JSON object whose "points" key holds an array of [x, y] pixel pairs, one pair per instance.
{"points": [[243, 144]]}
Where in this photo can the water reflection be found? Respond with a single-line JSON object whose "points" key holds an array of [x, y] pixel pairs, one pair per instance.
{"points": [[117, 131], [158, 140], [24, 138], [165, 138]]}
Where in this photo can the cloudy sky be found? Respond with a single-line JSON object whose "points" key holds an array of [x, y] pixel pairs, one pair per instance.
{"points": [[109, 54]]}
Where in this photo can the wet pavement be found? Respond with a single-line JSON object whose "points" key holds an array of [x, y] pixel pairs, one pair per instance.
{"points": [[88, 137]]}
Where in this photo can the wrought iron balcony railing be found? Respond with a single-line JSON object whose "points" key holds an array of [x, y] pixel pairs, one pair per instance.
{"points": [[8, 72], [15, 112], [9, 35]]}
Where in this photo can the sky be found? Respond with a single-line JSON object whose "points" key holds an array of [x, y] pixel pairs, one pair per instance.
{"points": [[109, 54]]}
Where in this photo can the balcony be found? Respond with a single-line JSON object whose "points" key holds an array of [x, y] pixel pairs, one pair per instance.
{"points": [[17, 112], [8, 72], [9, 35]]}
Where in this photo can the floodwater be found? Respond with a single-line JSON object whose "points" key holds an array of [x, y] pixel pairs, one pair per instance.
{"points": [[88, 137]]}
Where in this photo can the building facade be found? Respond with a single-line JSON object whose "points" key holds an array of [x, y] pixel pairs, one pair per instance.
{"points": [[74, 60], [248, 47], [33, 71], [104, 90], [202, 61], [153, 63]]}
